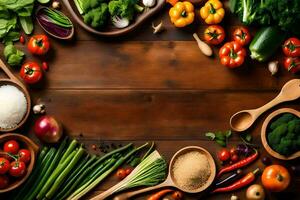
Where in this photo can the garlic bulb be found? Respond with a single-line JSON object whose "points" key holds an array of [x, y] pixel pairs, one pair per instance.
{"points": [[273, 67], [158, 28], [39, 109], [149, 3]]}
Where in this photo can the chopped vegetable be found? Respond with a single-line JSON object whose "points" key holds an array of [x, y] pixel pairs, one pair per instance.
{"points": [[265, 43], [212, 12], [243, 182], [182, 14]]}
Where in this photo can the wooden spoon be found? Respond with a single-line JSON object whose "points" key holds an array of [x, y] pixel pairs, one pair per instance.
{"points": [[170, 181], [242, 120]]}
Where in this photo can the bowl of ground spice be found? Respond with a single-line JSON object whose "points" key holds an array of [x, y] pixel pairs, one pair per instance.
{"points": [[15, 102], [193, 169]]}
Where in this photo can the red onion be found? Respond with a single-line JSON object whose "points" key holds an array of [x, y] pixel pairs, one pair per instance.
{"points": [[48, 129]]}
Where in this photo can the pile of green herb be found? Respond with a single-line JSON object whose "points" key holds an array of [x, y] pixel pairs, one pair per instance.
{"points": [[284, 13], [13, 15], [220, 137]]}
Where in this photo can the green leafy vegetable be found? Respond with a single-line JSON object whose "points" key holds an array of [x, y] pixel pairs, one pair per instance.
{"points": [[221, 138], [27, 24], [97, 17], [12, 55], [122, 8], [284, 13]]}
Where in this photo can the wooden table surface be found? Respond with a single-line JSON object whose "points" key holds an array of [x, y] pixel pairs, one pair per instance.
{"points": [[145, 87]]}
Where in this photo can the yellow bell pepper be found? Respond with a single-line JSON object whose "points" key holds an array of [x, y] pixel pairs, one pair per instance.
{"points": [[212, 12], [182, 14]]}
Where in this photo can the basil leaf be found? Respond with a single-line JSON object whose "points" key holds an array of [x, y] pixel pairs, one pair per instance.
{"points": [[210, 135], [228, 133], [220, 135], [248, 137], [221, 142]]}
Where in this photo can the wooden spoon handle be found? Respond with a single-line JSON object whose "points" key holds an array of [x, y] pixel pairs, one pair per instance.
{"points": [[277, 100], [7, 71]]}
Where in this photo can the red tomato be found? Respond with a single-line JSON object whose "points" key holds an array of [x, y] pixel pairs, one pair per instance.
{"points": [[224, 155], [31, 72], [11, 147], [292, 64], [234, 158], [275, 178], [233, 151], [232, 54], [38, 44], [214, 34], [22, 39], [4, 165], [17, 169], [291, 47], [121, 174], [24, 155], [242, 36], [3, 181]]}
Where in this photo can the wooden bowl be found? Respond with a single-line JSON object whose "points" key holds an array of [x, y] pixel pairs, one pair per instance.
{"points": [[28, 144], [210, 161], [13, 80], [264, 131], [69, 37], [111, 31]]}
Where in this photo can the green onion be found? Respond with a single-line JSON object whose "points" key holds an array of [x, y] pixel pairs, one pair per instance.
{"points": [[102, 174], [151, 171], [57, 17]]}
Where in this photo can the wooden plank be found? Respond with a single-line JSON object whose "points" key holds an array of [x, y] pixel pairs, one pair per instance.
{"points": [[148, 65], [148, 115]]}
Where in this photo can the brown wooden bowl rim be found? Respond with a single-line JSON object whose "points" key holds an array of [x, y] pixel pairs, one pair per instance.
{"points": [[116, 32], [211, 162], [32, 147], [13, 80], [264, 133]]}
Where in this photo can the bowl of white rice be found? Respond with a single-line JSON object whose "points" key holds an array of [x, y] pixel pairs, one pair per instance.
{"points": [[15, 105]]}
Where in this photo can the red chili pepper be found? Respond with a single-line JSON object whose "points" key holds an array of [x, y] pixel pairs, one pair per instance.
{"points": [[45, 66], [22, 39], [239, 164], [246, 180]]}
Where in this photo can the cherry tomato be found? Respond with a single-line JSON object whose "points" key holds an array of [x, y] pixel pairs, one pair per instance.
{"points": [[17, 169], [22, 39], [4, 165], [234, 158], [214, 34], [224, 155], [233, 151], [128, 171], [292, 64], [291, 47], [24, 155], [11, 147], [31, 72], [121, 174], [45, 66], [242, 36], [38, 44], [3, 181]]}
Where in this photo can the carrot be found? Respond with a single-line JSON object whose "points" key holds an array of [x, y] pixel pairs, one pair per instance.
{"points": [[160, 194]]}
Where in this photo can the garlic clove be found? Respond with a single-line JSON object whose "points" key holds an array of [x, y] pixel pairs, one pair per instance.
{"points": [[158, 28], [273, 67]]}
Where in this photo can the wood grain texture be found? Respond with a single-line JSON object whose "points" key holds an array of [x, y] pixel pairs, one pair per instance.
{"points": [[144, 87]]}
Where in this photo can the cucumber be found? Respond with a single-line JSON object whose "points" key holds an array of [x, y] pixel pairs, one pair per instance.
{"points": [[265, 43]]}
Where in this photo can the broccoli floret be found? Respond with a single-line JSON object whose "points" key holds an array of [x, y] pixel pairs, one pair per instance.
{"points": [[122, 8], [275, 136], [285, 118], [285, 147], [97, 17], [88, 5]]}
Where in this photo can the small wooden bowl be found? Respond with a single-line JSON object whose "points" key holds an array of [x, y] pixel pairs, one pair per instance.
{"points": [[69, 37], [264, 131], [210, 161], [13, 80], [28, 144]]}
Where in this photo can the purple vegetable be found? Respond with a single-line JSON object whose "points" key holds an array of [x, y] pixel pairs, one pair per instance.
{"points": [[266, 161]]}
